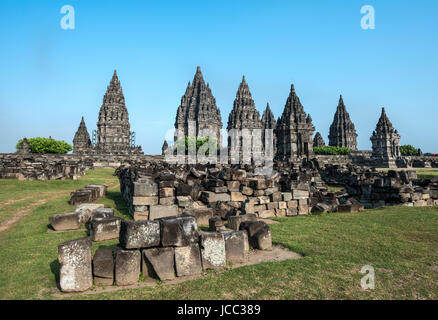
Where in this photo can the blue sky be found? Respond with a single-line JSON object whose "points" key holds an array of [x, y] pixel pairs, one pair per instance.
{"points": [[51, 77]]}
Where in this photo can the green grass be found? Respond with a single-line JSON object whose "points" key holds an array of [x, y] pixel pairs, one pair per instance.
{"points": [[401, 243], [422, 173]]}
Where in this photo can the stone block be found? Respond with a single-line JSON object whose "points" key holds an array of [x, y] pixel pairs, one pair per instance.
{"points": [[300, 194], [212, 250], [235, 221], [266, 214], [183, 189], [168, 201], [144, 201], [103, 264], [276, 197], [224, 210], [216, 224], [210, 197], [75, 273], [188, 260], [259, 234], [272, 205], [286, 196], [105, 229], [145, 189], [65, 221], [166, 192], [202, 215], [233, 185], [238, 175], [127, 270], [237, 196], [161, 211], [236, 245], [184, 201], [292, 204], [178, 231], [141, 215], [247, 191], [219, 189], [280, 212], [139, 234], [282, 205], [84, 211], [159, 262]]}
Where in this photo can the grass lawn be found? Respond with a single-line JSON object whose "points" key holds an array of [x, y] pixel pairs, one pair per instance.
{"points": [[401, 244], [423, 173]]}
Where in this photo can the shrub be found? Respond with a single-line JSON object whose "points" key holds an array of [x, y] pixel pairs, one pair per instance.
{"points": [[408, 150], [330, 150], [46, 145], [187, 142]]}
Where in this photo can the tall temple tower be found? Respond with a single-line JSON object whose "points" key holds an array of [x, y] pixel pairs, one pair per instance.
{"points": [[386, 142], [318, 141], [198, 105], [81, 141], [342, 130], [294, 131], [244, 115], [268, 122], [113, 129]]}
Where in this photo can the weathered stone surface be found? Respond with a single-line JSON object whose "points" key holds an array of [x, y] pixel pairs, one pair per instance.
{"points": [[168, 201], [139, 234], [178, 231], [75, 273], [233, 185], [235, 221], [81, 140], [99, 187], [300, 194], [237, 196], [224, 210], [212, 250], [166, 192], [84, 211], [318, 140], [127, 269], [105, 229], [159, 262], [103, 264], [184, 201], [162, 211], [188, 260], [236, 245], [215, 224], [259, 234], [210, 197], [202, 215], [145, 189], [65, 221], [145, 201]]}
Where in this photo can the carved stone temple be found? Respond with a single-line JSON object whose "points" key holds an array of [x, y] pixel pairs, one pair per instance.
{"points": [[269, 123], [386, 142], [342, 130], [198, 106], [294, 131], [318, 140], [113, 128], [81, 141], [244, 115]]}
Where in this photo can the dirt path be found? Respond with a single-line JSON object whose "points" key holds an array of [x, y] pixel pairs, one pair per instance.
{"points": [[15, 217], [7, 203]]}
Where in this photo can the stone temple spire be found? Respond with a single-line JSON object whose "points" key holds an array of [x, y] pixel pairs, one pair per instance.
{"points": [[268, 122], [318, 141], [385, 141], [342, 130], [294, 131], [244, 114], [198, 105], [81, 141], [113, 128]]}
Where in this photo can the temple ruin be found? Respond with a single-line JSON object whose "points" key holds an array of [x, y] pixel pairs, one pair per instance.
{"points": [[342, 131]]}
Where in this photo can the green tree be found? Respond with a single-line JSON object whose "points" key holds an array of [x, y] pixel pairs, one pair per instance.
{"points": [[408, 150], [330, 150], [46, 145], [194, 142]]}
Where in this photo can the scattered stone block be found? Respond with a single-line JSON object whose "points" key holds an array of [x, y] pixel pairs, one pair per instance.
{"points": [[167, 201], [178, 231], [210, 197], [161, 211], [144, 201], [184, 201], [65, 221], [235, 221], [145, 189], [103, 267], [105, 229], [300, 194], [75, 273], [127, 270], [84, 211], [139, 234], [202, 215], [101, 189], [188, 260], [159, 262], [216, 224], [237, 196], [166, 192], [212, 250], [236, 245], [259, 234], [233, 186]]}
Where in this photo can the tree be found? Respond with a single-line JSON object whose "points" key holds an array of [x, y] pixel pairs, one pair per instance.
{"points": [[408, 150], [46, 145]]}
